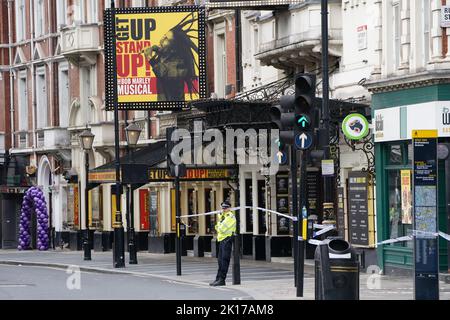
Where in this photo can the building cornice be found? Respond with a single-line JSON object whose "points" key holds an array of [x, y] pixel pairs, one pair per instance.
{"points": [[416, 80]]}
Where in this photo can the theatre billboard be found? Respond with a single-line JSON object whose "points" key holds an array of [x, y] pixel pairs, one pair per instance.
{"points": [[159, 57]]}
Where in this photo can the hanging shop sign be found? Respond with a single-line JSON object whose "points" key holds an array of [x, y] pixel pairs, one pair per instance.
{"points": [[355, 126], [425, 223], [250, 3], [160, 57]]}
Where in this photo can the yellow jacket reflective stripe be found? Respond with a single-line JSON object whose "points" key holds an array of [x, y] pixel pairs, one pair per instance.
{"points": [[226, 225]]}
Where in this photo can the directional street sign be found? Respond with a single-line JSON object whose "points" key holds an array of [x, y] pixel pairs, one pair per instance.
{"points": [[281, 157], [303, 140]]}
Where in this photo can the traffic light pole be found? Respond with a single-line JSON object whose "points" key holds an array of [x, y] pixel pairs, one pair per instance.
{"points": [[300, 239], [119, 245], [328, 181], [295, 211], [178, 211]]}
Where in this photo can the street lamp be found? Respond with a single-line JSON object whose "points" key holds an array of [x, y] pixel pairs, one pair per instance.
{"points": [[133, 132], [86, 141]]}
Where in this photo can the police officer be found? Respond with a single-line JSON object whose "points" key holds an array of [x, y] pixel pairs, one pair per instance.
{"points": [[226, 228]]}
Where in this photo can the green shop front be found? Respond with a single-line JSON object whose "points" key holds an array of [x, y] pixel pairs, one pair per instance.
{"points": [[395, 115]]}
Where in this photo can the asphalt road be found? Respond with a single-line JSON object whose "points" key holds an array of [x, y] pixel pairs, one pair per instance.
{"points": [[44, 283]]}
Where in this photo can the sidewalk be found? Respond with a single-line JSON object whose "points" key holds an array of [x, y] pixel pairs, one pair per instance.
{"points": [[259, 279]]}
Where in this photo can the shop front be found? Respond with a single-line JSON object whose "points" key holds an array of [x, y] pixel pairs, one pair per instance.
{"points": [[396, 114]]}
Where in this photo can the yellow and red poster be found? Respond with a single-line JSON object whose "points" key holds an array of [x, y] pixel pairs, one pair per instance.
{"points": [[159, 55], [405, 176]]}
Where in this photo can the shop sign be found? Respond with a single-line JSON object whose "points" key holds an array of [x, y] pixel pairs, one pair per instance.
{"points": [[191, 174], [355, 126], [427, 116]]}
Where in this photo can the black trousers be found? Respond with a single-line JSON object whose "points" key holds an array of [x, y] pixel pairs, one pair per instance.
{"points": [[223, 257]]}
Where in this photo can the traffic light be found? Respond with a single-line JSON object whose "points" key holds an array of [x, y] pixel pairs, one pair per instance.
{"points": [[283, 117], [305, 91], [294, 116]]}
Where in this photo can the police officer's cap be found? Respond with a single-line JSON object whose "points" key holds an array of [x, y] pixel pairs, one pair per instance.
{"points": [[225, 205]]}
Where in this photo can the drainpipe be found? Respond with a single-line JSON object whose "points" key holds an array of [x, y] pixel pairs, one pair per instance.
{"points": [[11, 76], [33, 83]]}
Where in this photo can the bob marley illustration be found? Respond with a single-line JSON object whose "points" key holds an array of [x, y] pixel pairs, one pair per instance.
{"points": [[356, 126], [174, 60]]}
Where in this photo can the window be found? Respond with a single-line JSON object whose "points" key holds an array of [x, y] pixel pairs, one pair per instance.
{"points": [[220, 65], [397, 35], [39, 17], [61, 16], [92, 11], [63, 92], [23, 102], [138, 3], [85, 93], [398, 192], [20, 20], [41, 98], [426, 9]]}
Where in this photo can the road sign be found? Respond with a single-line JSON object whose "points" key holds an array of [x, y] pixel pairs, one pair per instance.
{"points": [[303, 140], [281, 157], [425, 223]]}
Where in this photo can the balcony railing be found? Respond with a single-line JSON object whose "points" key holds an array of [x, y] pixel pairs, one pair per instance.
{"points": [[79, 39]]}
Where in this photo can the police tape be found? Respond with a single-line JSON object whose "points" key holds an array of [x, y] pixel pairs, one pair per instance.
{"points": [[238, 208], [415, 233]]}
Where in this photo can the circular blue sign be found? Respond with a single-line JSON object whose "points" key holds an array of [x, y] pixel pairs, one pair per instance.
{"points": [[303, 141]]}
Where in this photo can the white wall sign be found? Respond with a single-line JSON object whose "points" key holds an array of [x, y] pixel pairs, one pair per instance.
{"points": [[387, 124], [362, 37], [445, 16], [423, 116]]}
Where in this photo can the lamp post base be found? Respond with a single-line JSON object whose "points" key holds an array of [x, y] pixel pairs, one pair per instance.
{"points": [[86, 249], [119, 248], [132, 247]]}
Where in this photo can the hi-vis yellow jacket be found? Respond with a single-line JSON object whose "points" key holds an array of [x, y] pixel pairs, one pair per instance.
{"points": [[226, 225]]}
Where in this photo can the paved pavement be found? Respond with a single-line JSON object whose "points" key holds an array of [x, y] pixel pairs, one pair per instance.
{"points": [[259, 279]]}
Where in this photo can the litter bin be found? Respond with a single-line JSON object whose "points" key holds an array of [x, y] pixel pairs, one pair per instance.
{"points": [[336, 271]]}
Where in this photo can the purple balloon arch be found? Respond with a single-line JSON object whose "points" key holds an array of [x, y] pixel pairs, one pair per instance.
{"points": [[34, 199]]}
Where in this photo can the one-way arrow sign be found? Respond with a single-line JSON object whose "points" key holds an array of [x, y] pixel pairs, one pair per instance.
{"points": [[303, 141]]}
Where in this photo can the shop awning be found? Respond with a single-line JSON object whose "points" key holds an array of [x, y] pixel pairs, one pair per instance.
{"points": [[139, 160], [141, 167]]}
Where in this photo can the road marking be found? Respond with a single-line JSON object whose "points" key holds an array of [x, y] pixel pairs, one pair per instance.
{"points": [[15, 285]]}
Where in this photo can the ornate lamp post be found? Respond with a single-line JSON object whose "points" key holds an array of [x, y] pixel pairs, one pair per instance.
{"points": [[133, 132], [86, 141]]}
